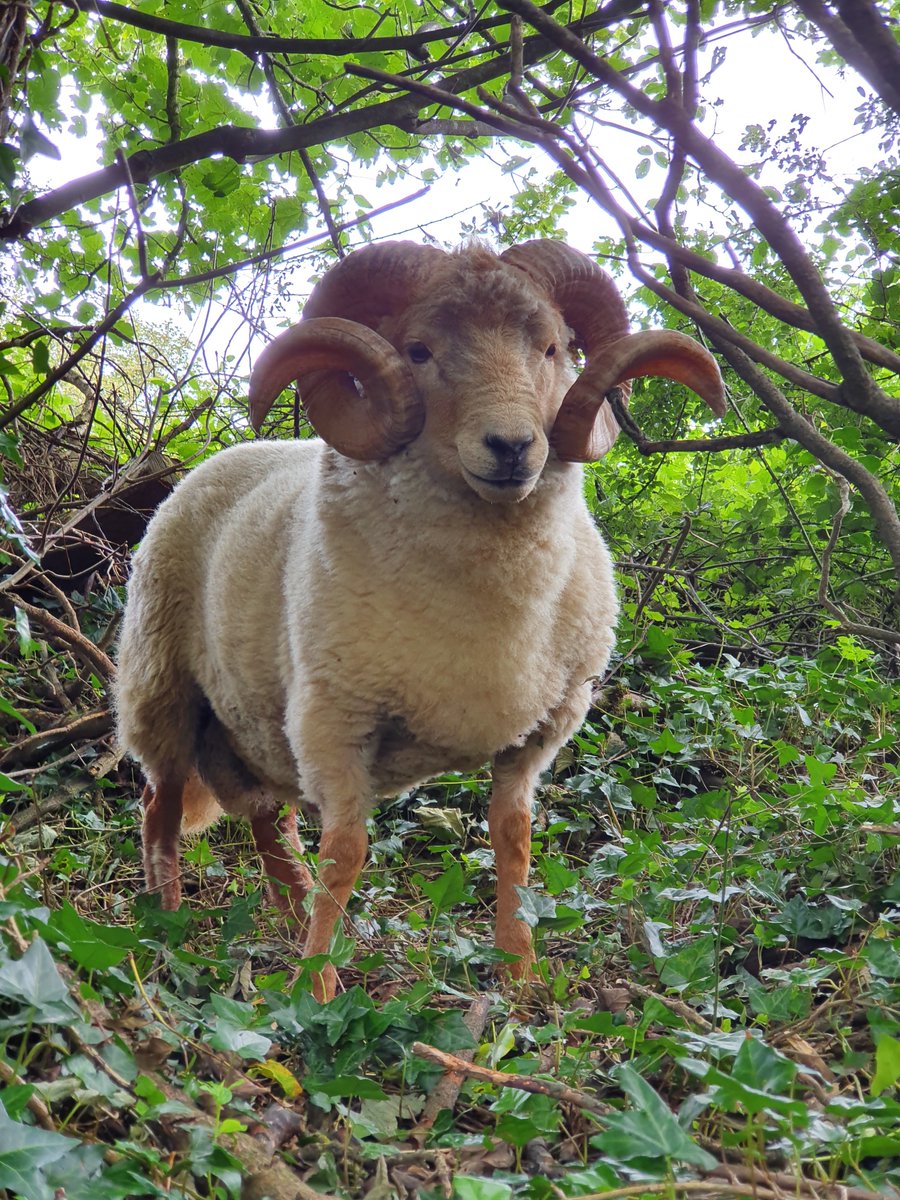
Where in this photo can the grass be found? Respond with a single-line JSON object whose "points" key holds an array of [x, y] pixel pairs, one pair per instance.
{"points": [[714, 899]]}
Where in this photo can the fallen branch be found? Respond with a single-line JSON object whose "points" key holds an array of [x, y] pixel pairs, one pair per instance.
{"points": [[638, 991], [98, 769], [753, 1177], [690, 1187], [446, 1092], [525, 1083], [29, 749], [73, 638]]}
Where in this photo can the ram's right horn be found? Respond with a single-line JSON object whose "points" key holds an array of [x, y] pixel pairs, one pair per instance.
{"points": [[330, 353]]}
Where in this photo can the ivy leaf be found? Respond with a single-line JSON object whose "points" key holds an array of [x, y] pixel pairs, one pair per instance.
{"points": [[534, 906], [649, 1130], [447, 890], [23, 1151], [757, 1082], [93, 946], [887, 1064], [466, 1187], [33, 980]]}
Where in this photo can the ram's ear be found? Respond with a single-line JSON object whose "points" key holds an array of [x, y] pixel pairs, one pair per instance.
{"points": [[326, 356], [585, 428]]}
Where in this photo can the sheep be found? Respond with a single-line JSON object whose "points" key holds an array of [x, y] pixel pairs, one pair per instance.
{"points": [[420, 590]]}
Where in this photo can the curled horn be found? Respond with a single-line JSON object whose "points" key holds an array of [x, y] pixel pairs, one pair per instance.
{"points": [[585, 428], [337, 345], [327, 354]]}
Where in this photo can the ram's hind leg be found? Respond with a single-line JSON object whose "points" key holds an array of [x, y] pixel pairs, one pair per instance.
{"points": [[279, 847], [516, 772], [163, 811]]}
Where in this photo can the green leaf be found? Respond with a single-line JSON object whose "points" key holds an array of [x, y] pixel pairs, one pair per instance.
{"points": [[447, 890], [11, 785], [887, 1064], [757, 1082], [222, 178], [821, 922], [690, 966], [666, 743], [649, 1130], [24, 1150], [33, 980], [534, 906], [468, 1187], [32, 141], [91, 945], [347, 1085], [13, 712]]}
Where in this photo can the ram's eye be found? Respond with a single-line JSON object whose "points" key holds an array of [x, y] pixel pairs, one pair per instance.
{"points": [[550, 351], [418, 352]]}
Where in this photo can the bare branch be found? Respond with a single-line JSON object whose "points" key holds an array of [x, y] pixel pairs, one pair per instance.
{"points": [[862, 40], [858, 386]]}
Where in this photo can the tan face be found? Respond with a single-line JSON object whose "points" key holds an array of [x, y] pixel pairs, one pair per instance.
{"points": [[491, 395]]}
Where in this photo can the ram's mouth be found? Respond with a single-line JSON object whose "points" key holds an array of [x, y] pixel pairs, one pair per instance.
{"points": [[502, 489]]}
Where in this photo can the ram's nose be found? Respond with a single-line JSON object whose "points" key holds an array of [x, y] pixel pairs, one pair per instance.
{"points": [[509, 452]]}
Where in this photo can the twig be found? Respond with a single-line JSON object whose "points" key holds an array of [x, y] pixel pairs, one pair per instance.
{"points": [[525, 1083], [690, 1187], [872, 631], [89, 725], [122, 160], [36, 1106], [794, 1184], [73, 638], [670, 558], [671, 1002], [446, 1092]]}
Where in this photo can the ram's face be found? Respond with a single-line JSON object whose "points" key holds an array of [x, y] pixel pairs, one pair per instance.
{"points": [[462, 361], [492, 383]]}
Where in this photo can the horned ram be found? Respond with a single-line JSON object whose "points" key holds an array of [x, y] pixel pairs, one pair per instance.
{"points": [[421, 590]]}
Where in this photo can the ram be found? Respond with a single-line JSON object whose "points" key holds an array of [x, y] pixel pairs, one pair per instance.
{"points": [[422, 590]]}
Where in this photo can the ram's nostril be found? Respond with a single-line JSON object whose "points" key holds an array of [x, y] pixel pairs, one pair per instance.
{"points": [[507, 450]]}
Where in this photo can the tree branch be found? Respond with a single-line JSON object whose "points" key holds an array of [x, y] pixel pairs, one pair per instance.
{"points": [[251, 45], [858, 386], [73, 638], [861, 39], [799, 428]]}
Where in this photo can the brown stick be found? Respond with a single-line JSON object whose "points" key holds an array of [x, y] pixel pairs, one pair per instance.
{"points": [[35, 746], [670, 1002], [690, 1187], [525, 1083], [446, 1092], [36, 1106], [62, 632], [752, 1176]]}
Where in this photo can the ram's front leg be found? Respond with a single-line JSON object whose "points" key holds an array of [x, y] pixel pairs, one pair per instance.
{"points": [[516, 772], [342, 852], [337, 779]]}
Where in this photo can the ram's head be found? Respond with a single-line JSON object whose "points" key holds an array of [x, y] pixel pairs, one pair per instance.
{"points": [[465, 357]]}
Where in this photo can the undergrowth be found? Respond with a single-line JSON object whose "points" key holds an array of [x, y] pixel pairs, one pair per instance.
{"points": [[714, 898]]}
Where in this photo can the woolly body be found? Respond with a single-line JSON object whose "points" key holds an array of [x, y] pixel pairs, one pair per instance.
{"points": [[319, 605]]}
